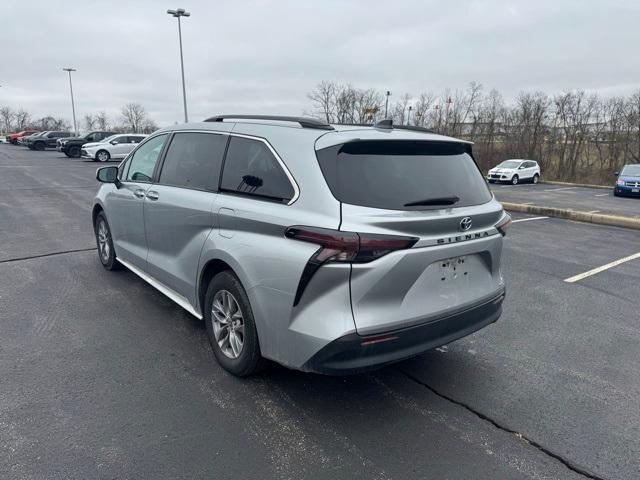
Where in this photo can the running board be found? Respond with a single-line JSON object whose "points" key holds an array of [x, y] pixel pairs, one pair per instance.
{"points": [[176, 297]]}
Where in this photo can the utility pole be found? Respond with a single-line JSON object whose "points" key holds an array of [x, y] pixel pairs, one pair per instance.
{"points": [[181, 12], [73, 106], [386, 104]]}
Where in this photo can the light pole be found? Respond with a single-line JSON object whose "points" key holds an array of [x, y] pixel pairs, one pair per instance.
{"points": [[181, 12], [386, 104], [73, 106], [409, 116]]}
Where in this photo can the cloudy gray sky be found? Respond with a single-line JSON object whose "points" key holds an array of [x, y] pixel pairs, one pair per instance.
{"points": [[264, 56]]}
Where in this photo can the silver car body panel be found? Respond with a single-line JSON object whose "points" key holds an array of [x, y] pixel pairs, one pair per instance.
{"points": [[171, 238]]}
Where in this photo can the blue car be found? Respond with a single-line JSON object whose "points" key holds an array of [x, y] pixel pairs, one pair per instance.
{"points": [[628, 182]]}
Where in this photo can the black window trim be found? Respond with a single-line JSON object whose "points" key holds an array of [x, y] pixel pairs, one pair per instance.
{"points": [[166, 149], [256, 196]]}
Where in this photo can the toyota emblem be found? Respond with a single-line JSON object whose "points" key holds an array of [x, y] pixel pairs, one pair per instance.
{"points": [[465, 224]]}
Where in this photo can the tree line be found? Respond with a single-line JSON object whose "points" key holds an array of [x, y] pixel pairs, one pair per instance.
{"points": [[133, 118], [575, 136]]}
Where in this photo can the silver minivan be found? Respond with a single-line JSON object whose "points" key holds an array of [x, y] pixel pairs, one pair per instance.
{"points": [[325, 248]]}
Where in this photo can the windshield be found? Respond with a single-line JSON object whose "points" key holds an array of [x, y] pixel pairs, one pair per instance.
{"points": [[509, 164], [631, 170], [403, 175]]}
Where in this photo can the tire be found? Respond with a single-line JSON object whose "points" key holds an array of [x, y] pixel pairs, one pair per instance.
{"points": [[230, 297], [514, 180], [106, 252], [102, 156], [535, 179], [73, 151], [39, 146]]}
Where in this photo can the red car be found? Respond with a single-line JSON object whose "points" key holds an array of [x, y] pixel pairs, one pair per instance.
{"points": [[14, 137]]}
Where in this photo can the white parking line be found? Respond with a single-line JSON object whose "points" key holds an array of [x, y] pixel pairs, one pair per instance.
{"points": [[528, 219], [602, 268], [602, 195], [526, 203], [558, 189], [594, 211]]}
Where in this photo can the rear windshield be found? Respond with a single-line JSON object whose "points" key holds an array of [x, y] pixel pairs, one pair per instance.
{"points": [[403, 175]]}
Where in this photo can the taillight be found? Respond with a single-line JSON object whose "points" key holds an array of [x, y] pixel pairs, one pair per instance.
{"points": [[504, 224], [344, 247]]}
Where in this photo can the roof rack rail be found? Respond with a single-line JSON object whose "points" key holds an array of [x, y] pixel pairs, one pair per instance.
{"points": [[302, 121]]}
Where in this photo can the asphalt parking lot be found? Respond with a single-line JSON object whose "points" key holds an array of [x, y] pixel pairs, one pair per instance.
{"points": [[583, 199], [104, 377]]}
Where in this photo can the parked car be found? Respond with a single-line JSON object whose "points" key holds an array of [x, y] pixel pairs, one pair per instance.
{"points": [[72, 146], [25, 140], [15, 137], [515, 171], [325, 248], [628, 182], [113, 147], [47, 140]]}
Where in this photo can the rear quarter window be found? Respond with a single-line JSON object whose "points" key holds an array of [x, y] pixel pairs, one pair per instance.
{"points": [[394, 174]]}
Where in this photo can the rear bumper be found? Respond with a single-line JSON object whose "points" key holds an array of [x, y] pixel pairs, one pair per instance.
{"points": [[354, 353]]}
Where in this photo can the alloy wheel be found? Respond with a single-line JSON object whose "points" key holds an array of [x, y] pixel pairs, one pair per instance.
{"points": [[103, 156], [228, 323], [104, 248]]}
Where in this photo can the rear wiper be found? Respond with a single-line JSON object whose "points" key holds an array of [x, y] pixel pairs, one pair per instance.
{"points": [[434, 201]]}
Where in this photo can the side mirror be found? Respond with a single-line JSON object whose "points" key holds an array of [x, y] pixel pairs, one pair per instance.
{"points": [[521, 167], [616, 173], [108, 175], [113, 142]]}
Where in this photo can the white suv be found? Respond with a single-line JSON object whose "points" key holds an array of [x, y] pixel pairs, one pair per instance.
{"points": [[115, 146], [515, 171]]}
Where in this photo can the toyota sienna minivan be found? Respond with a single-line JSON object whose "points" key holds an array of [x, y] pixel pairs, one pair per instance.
{"points": [[326, 248]]}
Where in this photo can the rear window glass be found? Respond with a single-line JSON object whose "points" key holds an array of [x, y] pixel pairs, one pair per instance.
{"points": [[403, 175]]}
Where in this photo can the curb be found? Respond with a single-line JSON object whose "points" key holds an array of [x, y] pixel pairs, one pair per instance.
{"points": [[569, 184], [598, 218]]}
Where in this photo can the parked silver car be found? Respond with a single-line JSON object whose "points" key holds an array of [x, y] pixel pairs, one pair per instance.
{"points": [[326, 248]]}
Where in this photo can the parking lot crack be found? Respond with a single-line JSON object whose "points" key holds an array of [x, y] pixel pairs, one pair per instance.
{"points": [[19, 259], [565, 461]]}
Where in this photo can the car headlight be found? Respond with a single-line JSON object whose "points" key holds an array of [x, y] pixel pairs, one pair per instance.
{"points": [[620, 182]]}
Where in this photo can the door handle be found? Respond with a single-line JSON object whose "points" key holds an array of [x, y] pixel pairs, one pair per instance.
{"points": [[152, 195], [139, 193]]}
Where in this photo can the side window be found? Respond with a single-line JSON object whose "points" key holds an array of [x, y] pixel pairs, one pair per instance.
{"points": [[136, 139], [251, 169], [193, 160], [122, 139], [144, 160]]}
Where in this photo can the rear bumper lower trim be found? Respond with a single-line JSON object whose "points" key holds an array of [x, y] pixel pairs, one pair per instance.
{"points": [[353, 353]]}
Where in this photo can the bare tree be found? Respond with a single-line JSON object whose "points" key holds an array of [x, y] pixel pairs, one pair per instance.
{"points": [[7, 117], [102, 121], [323, 98], [134, 117], [22, 119], [89, 121]]}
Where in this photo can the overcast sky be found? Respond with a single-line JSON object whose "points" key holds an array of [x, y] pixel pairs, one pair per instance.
{"points": [[265, 56]]}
